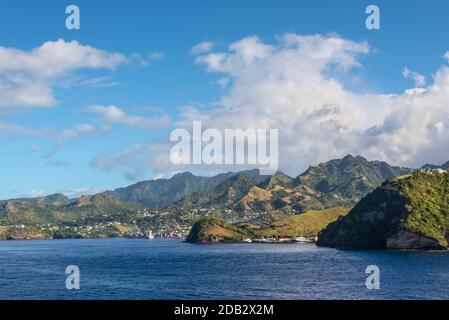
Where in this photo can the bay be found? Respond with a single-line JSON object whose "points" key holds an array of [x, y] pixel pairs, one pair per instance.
{"points": [[172, 269]]}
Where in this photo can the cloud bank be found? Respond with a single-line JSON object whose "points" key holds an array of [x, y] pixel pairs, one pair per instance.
{"points": [[293, 85], [114, 115], [27, 77]]}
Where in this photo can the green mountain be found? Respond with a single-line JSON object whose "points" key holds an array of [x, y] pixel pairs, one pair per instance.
{"points": [[162, 192], [213, 230], [409, 212], [58, 208], [235, 197], [53, 200], [273, 193], [36, 210], [225, 193], [276, 180], [340, 182], [350, 178], [100, 203]]}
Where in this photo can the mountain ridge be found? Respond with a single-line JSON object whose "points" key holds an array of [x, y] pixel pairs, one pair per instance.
{"points": [[162, 192], [233, 196]]}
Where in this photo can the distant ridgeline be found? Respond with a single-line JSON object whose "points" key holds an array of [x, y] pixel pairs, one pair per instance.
{"points": [[335, 183], [59, 208], [174, 205]]}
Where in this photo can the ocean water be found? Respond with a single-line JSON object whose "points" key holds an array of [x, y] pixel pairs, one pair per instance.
{"points": [[172, 269]]}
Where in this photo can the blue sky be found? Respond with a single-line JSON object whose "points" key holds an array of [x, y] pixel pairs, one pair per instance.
{"points": [[413, 34]]}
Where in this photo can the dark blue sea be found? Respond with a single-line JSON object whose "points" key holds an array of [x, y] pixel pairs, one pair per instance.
{"points": [[172, 269]]}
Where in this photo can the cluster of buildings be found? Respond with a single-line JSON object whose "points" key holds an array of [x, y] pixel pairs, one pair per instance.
{"points": [[431, 170]]}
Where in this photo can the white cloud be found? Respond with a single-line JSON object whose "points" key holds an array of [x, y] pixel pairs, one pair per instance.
{"points": [[20, 130], [419, 79], [147, 61], [202, 47], [108, 163], [156, 56], [223, 82], [293, 85], [99, 82], [111, 115], [77, 131], [27, 77], [72, 193], [115, 115], [36, 194], [35, 148], [56, 164], [415, 91], [134, 158], [446, 56], [288, 86]]}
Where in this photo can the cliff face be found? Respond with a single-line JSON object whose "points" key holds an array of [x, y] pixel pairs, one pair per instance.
{"points": [[411, 212], [408, 240]]}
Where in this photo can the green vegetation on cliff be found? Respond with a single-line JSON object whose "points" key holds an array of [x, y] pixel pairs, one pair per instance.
{"points": [[307, 224], [213, 230], [409, 212]]}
